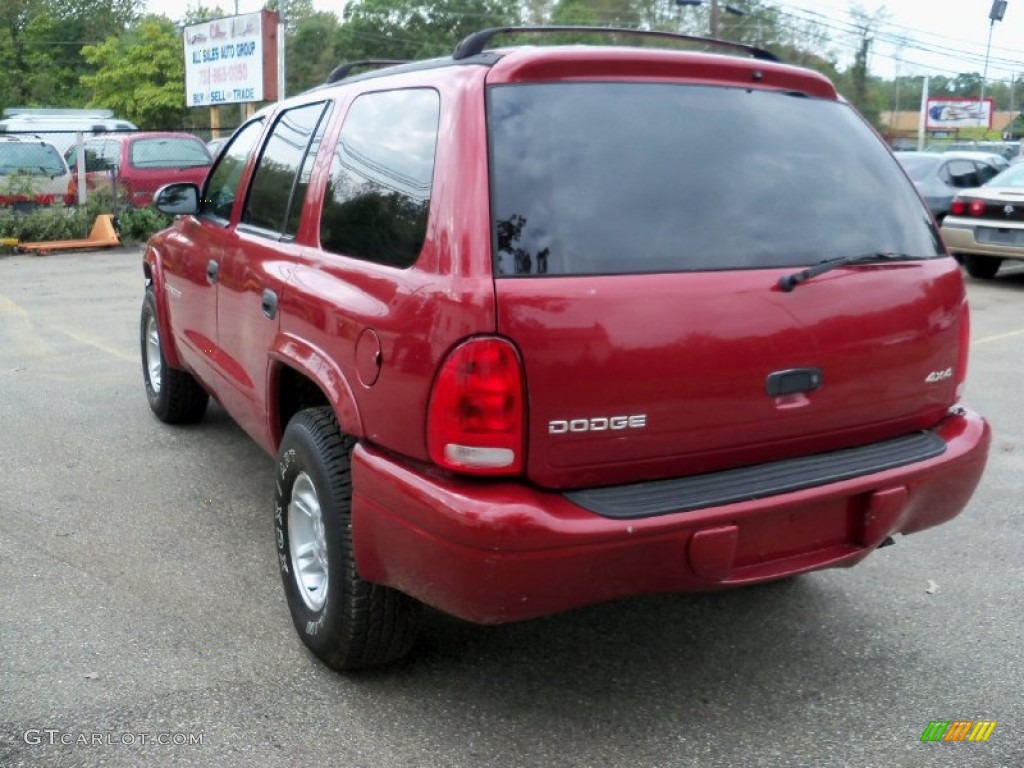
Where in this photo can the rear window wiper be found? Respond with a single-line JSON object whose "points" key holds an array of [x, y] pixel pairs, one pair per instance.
{"points": [[788, 282]]}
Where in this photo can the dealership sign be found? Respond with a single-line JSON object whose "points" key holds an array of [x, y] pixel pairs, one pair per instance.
{"points": [[949, 114], [231, 60]]}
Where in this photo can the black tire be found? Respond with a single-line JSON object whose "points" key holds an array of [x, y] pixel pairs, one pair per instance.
{"points": [[348, 623], [174, 395], [982, 267]]}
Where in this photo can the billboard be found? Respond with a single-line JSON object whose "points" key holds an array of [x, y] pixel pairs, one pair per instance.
{"points": [[231, 60], [949, 114]]}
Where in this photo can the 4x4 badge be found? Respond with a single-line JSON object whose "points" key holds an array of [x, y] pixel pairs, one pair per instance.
{"points": [[937, 376]]}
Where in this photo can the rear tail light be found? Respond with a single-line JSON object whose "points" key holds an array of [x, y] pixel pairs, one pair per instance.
{"points": [[476, 422], [965, 345], [958, 207], [976, 207]]}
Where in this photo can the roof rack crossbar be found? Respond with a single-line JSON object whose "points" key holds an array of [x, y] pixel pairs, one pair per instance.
{"points": [[475, 43], [342, 71]]}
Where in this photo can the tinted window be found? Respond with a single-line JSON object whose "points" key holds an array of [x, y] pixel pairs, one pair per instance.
{"points": [[596, 178], [378, 195], [96, 159], [962, 174], [274, 182], [222, 183], [986, 172], [168, 153]]}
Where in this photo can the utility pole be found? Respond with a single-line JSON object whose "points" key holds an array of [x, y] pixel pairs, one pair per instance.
{"points": [[994, 15], [714, 19]]}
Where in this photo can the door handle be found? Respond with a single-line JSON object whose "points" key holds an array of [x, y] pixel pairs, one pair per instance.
{"points": [[212, 267], [269, 303]]}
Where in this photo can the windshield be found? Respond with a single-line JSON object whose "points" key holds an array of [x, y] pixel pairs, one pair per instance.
{"points": [[16, 157], [610, 178], [169, 153]]}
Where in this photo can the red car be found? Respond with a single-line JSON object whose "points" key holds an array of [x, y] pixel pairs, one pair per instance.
{"points": [[142, 162], [529, 328]]}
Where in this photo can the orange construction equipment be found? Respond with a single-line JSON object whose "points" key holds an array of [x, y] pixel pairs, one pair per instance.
{"points": [[103, 235]]}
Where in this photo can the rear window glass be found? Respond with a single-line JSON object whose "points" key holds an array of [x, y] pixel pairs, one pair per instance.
{"points": [[918, 166], [611, 178], [168, 153], [36, 159]]}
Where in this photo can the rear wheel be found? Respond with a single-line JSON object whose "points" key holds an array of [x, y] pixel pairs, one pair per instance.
{"points": [[348, 623], [983, 267], [174, 396]]}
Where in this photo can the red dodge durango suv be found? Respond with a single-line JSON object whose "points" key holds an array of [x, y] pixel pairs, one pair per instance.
{"points": [[529, 328]]}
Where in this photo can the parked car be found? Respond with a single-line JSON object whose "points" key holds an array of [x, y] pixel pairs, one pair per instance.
{"points": [[62, 127], [998, 161], [939, 176], [142, 162], [1005, 149], [986, 225], [33, 172], [214, 145], [529, 328]]}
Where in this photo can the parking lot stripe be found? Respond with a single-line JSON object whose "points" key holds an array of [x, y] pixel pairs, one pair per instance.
{"points": [[997, 337]]}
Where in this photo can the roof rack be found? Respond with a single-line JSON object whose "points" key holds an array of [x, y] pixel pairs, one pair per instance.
{"points": [[475, 43], [342, 70]]}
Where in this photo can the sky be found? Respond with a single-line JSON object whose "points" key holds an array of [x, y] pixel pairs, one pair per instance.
{"points": [[919, 37]]}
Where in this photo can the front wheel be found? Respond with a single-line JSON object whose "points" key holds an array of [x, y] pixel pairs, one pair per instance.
{"points": [[982, 267], [174, 396], [348, 623]]}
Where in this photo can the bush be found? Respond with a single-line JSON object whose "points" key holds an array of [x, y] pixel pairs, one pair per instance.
{"points": [[56, 222]]}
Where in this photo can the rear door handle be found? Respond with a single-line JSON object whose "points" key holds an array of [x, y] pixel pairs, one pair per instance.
{"points": [[269, 303], [212, 268]]}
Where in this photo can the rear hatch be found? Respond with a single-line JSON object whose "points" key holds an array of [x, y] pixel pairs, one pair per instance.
{"points": [[155, 161], [640, 232]]}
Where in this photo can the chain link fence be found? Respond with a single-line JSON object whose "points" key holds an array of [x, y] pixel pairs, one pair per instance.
{"points": [[54, 181]]}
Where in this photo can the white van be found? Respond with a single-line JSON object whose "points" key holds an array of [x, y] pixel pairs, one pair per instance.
{"points": [[61, 127]]}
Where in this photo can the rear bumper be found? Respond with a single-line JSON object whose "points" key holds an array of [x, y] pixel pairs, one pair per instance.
{"points": [[960, 238], [498, 552]]}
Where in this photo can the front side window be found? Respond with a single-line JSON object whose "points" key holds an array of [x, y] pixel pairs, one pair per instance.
{"points": [[94, 157], [277, 191], [222, 183], [378, 196], [619, 178]]}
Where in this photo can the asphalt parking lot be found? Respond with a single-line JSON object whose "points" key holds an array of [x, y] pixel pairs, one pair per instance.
{"points": [[142, 621]]}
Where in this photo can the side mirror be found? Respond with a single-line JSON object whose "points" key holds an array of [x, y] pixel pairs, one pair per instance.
{"points": [[179, 199]]}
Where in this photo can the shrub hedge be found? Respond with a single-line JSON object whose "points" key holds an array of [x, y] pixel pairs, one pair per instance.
{"points": [[33, 222]]}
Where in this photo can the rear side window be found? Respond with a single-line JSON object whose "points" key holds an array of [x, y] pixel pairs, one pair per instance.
{"points": [[278, 187], [378, 196], [612, 178], [963, 174]]}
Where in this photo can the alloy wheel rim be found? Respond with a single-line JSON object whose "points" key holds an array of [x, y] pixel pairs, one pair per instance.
{"points": [[308, 543], [153, 367]]}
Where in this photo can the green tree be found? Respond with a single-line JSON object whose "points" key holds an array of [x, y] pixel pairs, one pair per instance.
{"points": [[41, 42], [141, 74], [312, 50], [408, 29]]}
